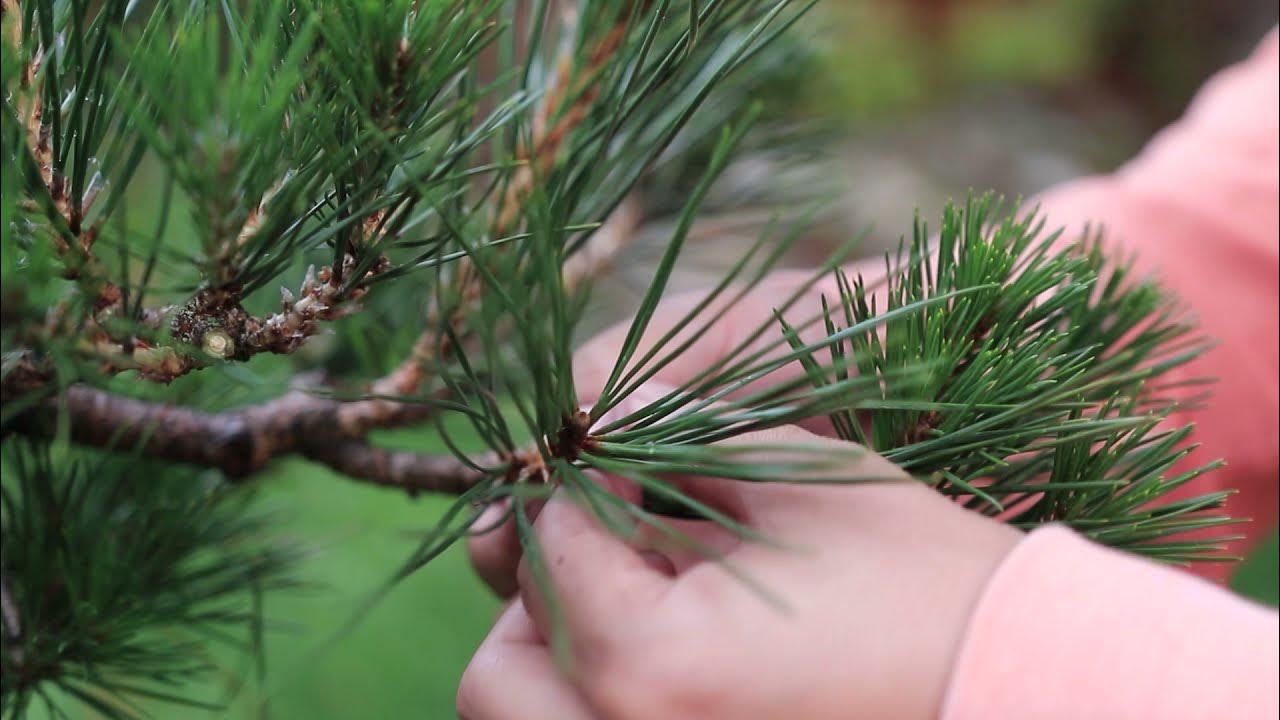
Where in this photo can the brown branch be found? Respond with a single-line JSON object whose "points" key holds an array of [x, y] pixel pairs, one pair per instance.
{"points": [[240, 442], [329, 431], [400, 469], [547, 137]]}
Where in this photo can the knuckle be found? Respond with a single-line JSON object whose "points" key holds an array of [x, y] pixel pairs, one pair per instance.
{"points": [[655, 680]]}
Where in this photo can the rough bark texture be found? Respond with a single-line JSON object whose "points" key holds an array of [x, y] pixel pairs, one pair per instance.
{"points": [[241, 442]]}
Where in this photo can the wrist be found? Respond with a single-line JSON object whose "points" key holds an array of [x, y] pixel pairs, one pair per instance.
{"points": [[969, 552]]}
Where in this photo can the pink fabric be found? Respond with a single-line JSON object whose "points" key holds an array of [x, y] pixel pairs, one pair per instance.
{"points": [[1068, 629], [1072, 630], [1199, 208]]}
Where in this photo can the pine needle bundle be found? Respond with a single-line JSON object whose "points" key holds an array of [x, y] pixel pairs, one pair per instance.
{"points": [[360, 216]]}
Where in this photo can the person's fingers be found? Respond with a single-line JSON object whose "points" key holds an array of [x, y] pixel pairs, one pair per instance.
{"points": [[495, 549], [513, 675], [599, 584], [697, 542], [496, 554]]}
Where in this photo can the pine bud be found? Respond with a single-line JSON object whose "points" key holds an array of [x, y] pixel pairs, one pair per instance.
{"points": [[218, 344]]}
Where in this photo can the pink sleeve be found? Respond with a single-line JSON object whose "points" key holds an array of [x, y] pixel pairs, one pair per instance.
{"points": [[1068, 629], [1199, 209]]}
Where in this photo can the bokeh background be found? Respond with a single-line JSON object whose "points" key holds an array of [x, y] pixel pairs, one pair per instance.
{"points": [[917, 102]]}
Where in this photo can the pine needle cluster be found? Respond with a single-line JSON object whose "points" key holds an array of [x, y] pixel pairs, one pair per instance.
{"points": [[379, 214]]}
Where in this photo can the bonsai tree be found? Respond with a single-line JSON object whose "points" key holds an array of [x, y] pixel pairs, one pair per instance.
{"points": [[379, 214]]}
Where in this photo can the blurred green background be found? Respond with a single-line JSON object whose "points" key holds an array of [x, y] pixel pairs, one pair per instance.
{"points": [[1022, 94]]}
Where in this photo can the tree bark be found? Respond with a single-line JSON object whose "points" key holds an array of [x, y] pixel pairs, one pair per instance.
{"points": [[241, 442]]}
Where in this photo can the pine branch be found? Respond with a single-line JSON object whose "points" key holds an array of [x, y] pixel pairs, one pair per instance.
{"points": [[213, 323], [241, 442], [397, 469], [326, 430], [72, 242], [553, 123], [216, 322]]}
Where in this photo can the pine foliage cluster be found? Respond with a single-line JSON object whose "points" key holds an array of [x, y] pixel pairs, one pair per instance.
{"points": [[371, 214]]}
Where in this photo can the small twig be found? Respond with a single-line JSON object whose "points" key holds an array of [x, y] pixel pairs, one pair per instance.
{"points": [[399, 469], [322, 299]]}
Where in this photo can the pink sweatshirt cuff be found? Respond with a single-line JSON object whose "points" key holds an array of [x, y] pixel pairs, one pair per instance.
{"points": [[1070, 629]]}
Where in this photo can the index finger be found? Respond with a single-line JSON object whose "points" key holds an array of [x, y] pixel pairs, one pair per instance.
{"points": [[595, 580]]}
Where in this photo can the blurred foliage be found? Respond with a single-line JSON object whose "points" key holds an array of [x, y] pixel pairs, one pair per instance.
{"points": [[402, 659], [886, 57], [125, 573], [1258, 577]]}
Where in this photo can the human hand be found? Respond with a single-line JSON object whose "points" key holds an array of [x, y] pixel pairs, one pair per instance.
{"points": [[875, 587], [496, 553], [512, 674]]}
